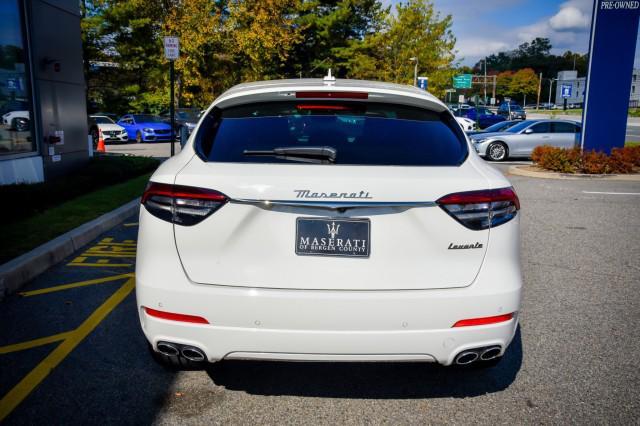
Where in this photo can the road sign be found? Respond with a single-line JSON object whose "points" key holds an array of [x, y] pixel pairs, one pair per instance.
{"points": [[565, 90], [450, 91], [493, 101], [423, 82], [171, 48], [614, 30], [461, 99], [462, 81]]}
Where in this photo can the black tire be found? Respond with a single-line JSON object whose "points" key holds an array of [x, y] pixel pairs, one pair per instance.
{"points": [[139, 137], [175, 363], [20, 124], [497, 151], [94, 137]]}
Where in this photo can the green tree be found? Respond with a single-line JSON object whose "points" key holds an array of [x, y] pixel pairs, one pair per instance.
{"points": [[332, 33], [524, 83], [416, 31]]}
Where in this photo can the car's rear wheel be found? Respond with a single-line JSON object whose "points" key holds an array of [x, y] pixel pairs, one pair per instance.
{"points": [[138, 137], [497, 151], [94, 137], [20, 124]]}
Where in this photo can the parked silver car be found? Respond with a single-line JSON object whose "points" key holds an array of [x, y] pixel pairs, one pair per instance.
{"points": [[521, 139]]}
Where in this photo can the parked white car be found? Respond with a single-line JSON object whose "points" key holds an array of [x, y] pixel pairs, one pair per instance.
{"points": [[328, 220], [467, 124], [111, 132], [16, 120]]}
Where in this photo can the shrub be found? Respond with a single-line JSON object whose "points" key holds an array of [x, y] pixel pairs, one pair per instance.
{"points": [[621, 160]]}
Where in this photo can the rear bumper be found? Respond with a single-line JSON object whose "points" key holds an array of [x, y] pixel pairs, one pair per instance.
{"points": [[325, 325], [287, 326]]}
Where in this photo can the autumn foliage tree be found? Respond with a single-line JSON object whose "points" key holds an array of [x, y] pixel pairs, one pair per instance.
{"points": [[225, 42]]}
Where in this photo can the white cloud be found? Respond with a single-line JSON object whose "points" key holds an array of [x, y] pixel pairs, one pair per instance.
{"points": [[478, 47], [569, 19]]}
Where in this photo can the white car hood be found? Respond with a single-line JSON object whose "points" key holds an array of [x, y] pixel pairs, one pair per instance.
{"points": [[109, 127]]}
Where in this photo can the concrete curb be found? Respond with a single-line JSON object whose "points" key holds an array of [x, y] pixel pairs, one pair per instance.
{"points": [[526, 171], [17, 272]]}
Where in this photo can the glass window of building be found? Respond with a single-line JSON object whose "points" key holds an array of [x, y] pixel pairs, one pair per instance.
{"points": [[15, 94]]}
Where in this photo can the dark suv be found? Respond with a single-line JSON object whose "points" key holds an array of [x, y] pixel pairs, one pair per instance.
{"points": [[512, 111]]}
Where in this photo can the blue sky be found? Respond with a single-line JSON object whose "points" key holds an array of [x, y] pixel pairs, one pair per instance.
{"points": [[483, 27]]}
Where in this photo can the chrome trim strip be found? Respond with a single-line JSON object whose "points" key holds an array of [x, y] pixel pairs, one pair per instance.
{"points": [[334, 205]]}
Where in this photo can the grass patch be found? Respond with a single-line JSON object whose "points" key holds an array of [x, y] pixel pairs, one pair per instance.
{"points": [[100, 172], [25, 234], [629, 143]]}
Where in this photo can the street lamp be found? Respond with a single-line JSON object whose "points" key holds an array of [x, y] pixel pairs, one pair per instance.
{"points": [[551, 80], [485, 79], [415, 70]]}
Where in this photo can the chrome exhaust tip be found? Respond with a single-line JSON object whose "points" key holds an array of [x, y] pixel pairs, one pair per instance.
{"points": [[490, 353], [466, 357], [168, 349], [192, 353]]}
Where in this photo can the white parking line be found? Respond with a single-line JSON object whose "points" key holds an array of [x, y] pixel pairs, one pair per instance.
{"points": [[611, 193]]}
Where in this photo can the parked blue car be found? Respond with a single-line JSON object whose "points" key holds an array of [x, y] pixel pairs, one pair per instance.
{"points": [[483, 116], [145, 127]]}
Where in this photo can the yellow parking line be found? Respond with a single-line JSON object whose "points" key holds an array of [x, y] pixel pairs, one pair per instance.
{"points": [[105, 254], [74, 285], [131, 224], [16, 395], [34, 343], [99, 264]]}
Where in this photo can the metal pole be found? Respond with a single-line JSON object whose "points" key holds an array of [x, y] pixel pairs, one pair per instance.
{"points": [[172, 109], [415, 73], [485, 81], [539, 92], [493, 94], [550, 90]]}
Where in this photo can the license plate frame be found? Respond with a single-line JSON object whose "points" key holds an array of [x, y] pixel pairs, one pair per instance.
{"points": [[326, 228]]}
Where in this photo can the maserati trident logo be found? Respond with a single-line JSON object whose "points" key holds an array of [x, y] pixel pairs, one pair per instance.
{"points": [[333, 229]]}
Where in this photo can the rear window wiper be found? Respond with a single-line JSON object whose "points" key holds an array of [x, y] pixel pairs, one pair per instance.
{"points": [[305, 154]]}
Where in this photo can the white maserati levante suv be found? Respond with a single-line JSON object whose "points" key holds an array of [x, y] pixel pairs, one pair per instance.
{"points": [[328, 220]]}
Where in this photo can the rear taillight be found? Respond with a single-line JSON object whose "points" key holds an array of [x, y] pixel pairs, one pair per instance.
{"points": [[182, 205], [332, 95], [175, 317], [483, 321], [479, 210]]}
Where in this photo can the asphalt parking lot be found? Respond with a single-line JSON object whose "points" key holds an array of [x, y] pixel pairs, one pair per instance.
{"points": [[72, 351]]}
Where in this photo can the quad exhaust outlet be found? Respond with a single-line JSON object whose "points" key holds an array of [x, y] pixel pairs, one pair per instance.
{"points": [[174, 349], [470, 356]]}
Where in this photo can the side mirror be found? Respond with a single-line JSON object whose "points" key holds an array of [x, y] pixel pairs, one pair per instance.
{"points": [[528, 131]]}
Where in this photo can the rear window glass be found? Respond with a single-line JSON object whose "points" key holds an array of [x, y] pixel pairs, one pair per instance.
{"points": [[360, 133]]}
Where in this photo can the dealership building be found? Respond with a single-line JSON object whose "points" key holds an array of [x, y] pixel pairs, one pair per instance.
{"points": [[578, 86], [43, 128]]}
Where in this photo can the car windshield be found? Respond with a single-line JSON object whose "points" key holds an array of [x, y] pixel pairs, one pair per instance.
{"points": [[187, 115], [500, 127], [520, 126], [147, 118], [100, 119], [360, 133]]}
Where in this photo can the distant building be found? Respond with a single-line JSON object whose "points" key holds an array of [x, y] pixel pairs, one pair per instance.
{"points": [[578, 87], [43, 120]]}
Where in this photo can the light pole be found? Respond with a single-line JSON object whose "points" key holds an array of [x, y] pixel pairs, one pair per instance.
{"points": [[485, 81], [415, 70], [551, 80]]}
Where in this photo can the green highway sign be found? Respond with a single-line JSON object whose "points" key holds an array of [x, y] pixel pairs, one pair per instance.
{"points": [[462, 81]]}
